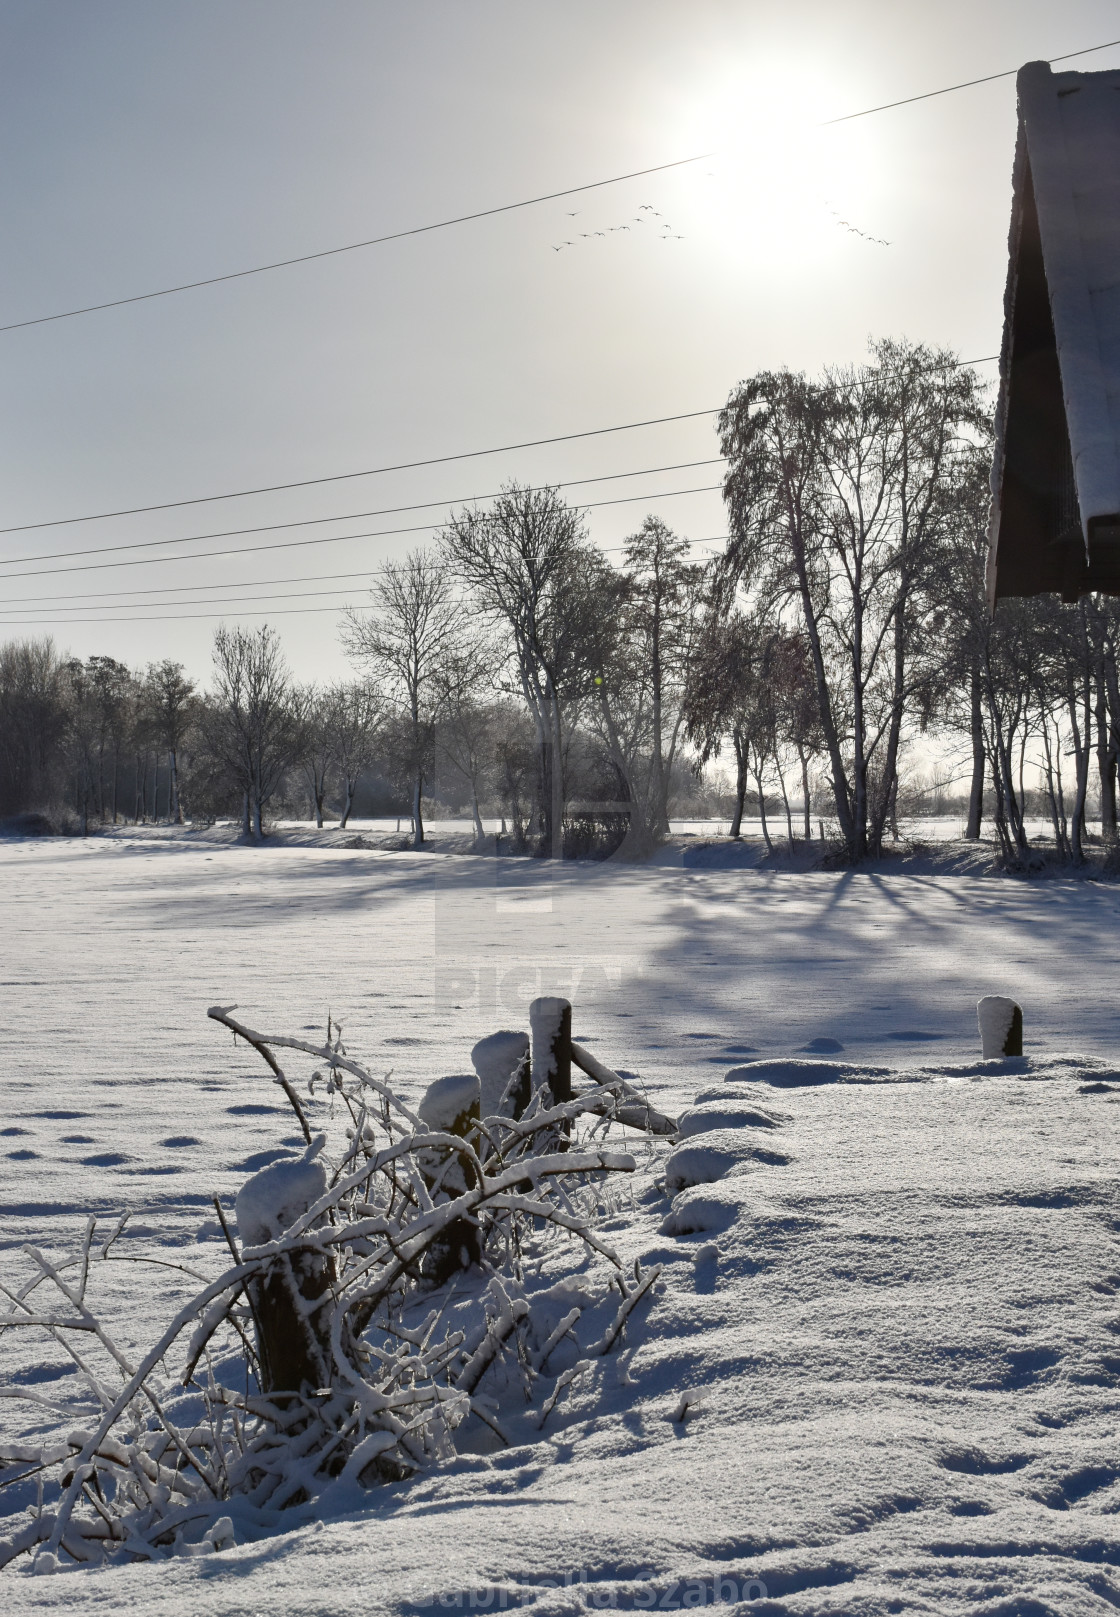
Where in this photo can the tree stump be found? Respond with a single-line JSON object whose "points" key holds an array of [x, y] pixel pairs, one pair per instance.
{"points": [[452, 1106], [292, 1347], [499, 1060]]}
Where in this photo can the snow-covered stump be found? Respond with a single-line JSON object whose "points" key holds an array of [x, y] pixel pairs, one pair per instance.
{"points": [[293, 1345], [1001, 1027], [452, 1105], [502, 1063], [550, 1020]]}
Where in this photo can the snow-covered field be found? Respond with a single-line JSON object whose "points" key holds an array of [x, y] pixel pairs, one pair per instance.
{"points": [[896, 1308]]}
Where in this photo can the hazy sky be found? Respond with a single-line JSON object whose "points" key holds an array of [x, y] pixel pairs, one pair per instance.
{"points": [[151, 144]]}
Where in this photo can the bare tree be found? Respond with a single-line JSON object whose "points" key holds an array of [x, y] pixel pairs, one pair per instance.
{"points": [[414, 629], [468, 729], [250, 726], [33, 720], [172, 710], [314, 749], [519, 559], [742, 665], [840, 496], [352, 715], [516, 768], [663, 622], [83, 732]]}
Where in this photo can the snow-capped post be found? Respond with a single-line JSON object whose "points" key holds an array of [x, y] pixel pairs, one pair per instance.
{"points": [[550, 1020], [1001, 1027], [293, 1344], [452, 1106], [499, 1060]]}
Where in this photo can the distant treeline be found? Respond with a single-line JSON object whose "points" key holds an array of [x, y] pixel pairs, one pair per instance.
{"points": [[512, 670]]}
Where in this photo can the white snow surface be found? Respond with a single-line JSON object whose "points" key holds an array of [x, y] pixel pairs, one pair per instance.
{"points": [[894, 1356]]}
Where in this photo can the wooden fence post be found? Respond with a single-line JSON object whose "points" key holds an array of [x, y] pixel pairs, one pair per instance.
{"points": [[451, 1106], [293, 1343], [1001, 1026], [550, 1022]]}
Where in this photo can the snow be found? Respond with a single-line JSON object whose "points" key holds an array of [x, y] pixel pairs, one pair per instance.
{"points": [[447, 1100], [495, 1059], [715, 1154], [724, 1114], [546, 1015], [270, 1202], [995, 1015], [900, 1361]]}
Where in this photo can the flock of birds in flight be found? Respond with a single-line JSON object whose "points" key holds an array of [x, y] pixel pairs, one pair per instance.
{"points": [[645, 215], [846, 224]]}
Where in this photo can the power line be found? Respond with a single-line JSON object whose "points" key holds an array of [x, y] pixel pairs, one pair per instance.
{"points": [[123, 606], [966, 84], [173, 617], [346, 516], [376, 471], [330, 539], [371, 471], [356, 246], [489, 213], [185, 617], [180, 589]]}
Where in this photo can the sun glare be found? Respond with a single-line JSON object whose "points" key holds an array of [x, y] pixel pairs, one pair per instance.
{"points": [[777, 177]]}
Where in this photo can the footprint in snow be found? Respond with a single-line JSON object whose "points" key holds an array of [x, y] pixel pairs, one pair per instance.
{"points": [[975, 1463], [260, 1159]]}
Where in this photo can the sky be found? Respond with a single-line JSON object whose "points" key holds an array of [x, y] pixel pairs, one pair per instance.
{"points": [[151, 145]]}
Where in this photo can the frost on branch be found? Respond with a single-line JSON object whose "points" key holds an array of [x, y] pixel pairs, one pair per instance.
{"points": [[384, 1293]]}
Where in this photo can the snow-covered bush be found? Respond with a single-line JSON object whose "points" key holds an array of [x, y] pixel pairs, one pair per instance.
{"points": [[334, 1351]]}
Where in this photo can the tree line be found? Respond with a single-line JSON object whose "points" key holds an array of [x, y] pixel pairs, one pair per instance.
{"points": [[512, 669]]}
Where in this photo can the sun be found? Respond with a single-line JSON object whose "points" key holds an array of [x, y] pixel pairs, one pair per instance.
{"points": [[779, 177]]}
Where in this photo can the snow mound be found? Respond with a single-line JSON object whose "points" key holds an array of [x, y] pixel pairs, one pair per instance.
{"points": [[730, 1115], [494, 1059], [798, 1072], [270, 1202], [705, 1209], [714, 1156]]}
